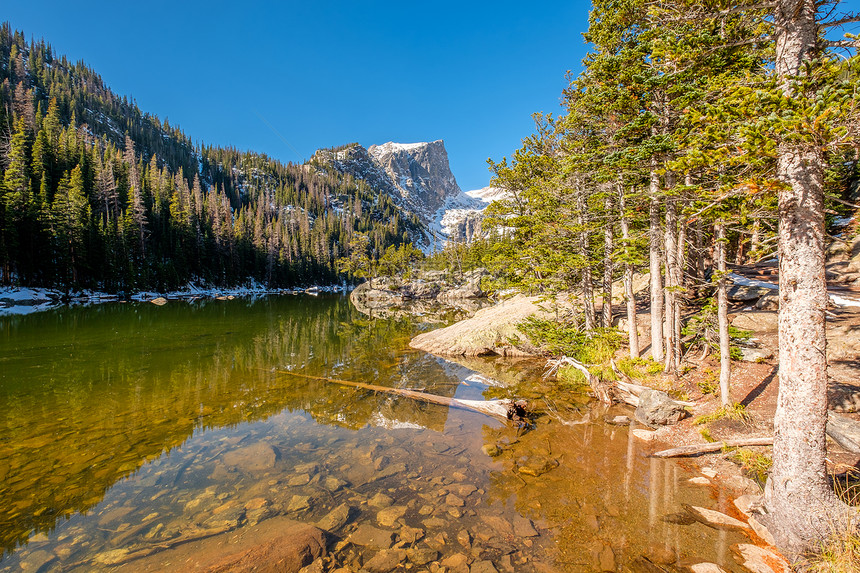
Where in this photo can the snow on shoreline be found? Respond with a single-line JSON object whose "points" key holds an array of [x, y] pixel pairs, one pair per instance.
{"points": [[26, 300]]}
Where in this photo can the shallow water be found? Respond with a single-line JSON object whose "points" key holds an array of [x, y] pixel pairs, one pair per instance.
{"points": [[126, 428]]}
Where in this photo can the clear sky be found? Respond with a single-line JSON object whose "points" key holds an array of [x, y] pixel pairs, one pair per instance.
{"points": [[286, 78]]}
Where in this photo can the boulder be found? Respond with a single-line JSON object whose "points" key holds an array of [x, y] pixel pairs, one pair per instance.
{"points": [[656, 408], [742, 293], [755, 354], [844, 431], [275, 545], [257, 457], [472, 289], [492, 330], [770, 301], [757, 321], [420, 290], [843, 397], [715, 519], [759, 559], [369, 536]]}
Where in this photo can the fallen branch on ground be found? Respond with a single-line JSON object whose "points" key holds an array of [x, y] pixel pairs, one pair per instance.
{"points": [[711, 447], [494, 408]]}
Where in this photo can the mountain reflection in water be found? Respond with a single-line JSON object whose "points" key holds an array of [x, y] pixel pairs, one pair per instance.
{"points": [[129, 426]]}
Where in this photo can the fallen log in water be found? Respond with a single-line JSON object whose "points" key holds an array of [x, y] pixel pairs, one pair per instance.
{"points": [[711, 447], [495, 408]]}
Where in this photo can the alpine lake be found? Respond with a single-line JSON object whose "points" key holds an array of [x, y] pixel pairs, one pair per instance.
{"points": [[129, 431]]}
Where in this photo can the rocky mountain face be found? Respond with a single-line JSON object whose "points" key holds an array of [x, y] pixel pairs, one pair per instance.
{"points": [[418, 177]]}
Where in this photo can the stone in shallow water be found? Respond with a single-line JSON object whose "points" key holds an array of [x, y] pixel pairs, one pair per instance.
{"points": [[454, 501], [389, 516], [299, 503], [483, 567], [462, 489], [434, 523], [369, 536], [537, 466], [523, 527], [491, 450], [759, 560], [456, 562], [715, 519], [333, 484], [380, 500], [385, 561], [498, 524], [279, 544], [410, 534], [335, 519], [421, 555], [257, 457], [298, 480], [706, 567]]}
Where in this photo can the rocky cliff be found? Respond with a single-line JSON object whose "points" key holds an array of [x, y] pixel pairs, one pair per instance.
{"points": [[418, 177]]}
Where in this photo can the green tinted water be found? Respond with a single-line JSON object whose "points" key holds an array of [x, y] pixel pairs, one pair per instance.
{"points": [[127, 429]]}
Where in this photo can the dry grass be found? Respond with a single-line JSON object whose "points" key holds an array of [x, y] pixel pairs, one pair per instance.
{"points": [[839, 553]]}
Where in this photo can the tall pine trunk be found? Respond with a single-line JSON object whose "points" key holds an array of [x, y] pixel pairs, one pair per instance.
{"points": [[723, 313], [673, 280], [587, 282], [608, 248], [629, 296], [801, 504], [655, 259]]}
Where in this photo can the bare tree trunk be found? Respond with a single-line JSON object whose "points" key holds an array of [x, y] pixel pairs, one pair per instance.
{"points": [[798, 496], [608, 247], [681, 263], [700, 258], [632, 330], [755, 240], [587, 281], [723, 313], [673, 278], [655, 258]]}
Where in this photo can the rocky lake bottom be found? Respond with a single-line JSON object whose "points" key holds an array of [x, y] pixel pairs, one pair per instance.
{"points": [[133, 435]]}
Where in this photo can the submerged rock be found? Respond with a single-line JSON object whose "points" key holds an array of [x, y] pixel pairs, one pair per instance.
{"points": [[277, 545], [369, 536], [715, 519], [257, 457]]}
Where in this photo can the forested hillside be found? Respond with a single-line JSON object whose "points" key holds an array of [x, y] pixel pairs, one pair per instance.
{"points": [[94, 193]]}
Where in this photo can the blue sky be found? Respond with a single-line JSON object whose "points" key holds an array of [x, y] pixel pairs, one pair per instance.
{"points": [[323, 74]]}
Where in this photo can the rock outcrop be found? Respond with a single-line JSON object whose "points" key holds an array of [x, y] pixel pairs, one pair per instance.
{"points": [[492, 330]]}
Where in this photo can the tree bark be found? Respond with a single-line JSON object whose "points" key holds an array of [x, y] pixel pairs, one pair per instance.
{"points": [[681, 261], [723, 313], [798, 497], [608, 248], [587, 282], [632, 330], [673, 279], [655, 259]]}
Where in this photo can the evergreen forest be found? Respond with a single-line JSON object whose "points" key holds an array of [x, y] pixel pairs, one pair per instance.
{"points": [[96, 194]]}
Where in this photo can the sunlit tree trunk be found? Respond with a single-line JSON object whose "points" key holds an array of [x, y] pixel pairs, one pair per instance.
{"points": [[608, 248], [587, 282], [673, 278], [723, 312], [798, 495], [655, 259], [632, 331]]}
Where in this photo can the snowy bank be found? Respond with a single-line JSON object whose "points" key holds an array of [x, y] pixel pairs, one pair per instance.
{"points": [[25, 300]]}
